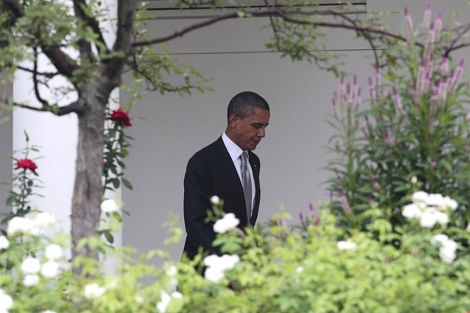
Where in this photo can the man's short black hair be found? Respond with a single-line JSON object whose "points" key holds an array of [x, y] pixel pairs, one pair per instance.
{"points": [[245, 103]]}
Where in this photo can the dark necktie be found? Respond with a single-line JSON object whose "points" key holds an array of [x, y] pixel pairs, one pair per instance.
{"points": [[246, 182]]}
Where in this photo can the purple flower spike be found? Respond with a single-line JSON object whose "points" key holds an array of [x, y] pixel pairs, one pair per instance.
{"points": [[335, 109], [468, 117], [341, 87], [438, 26], [337, 175], [374, 181], [409, 20], [442, 91], [344, 201], [433, 162], [388, 139], [372, 91], [444, 66], [302, 221], [397, 100], [378, 76], [358, 98], [314, 215], [331, 198], [365, 132], [428, 47], [454, 81], [427, 15], [421, 77]]}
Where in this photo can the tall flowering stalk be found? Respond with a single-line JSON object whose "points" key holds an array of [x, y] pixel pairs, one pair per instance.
{"points": [[24, 182], [116, 149], [414, 126]]}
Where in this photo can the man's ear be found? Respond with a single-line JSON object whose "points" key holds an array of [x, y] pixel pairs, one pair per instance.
{"points": [[233, 120]]}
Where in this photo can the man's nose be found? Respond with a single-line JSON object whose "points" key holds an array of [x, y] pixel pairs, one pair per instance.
{"points": [[262, 132]]}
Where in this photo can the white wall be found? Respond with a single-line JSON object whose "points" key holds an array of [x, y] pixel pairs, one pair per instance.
{"points": [[293, 152]]}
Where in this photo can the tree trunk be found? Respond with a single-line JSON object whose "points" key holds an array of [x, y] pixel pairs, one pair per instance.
{"points": [[89, 167]]}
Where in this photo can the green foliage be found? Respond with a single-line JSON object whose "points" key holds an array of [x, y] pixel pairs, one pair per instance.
{"points": [[413, 125], [281, 269]]}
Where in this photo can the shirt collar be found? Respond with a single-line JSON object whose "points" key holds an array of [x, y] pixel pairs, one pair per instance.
{"points": [[232, 147]]}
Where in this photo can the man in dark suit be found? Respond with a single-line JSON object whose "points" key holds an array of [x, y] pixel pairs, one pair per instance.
{"points": [[219, 170]]}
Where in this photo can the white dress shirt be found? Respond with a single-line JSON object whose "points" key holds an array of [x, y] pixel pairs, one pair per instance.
{"points": [[235, 152]]}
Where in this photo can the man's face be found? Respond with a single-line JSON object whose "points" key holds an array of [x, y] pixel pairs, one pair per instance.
{"points": [[249, 131]]}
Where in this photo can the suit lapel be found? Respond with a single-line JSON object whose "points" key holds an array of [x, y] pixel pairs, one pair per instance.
{"points": [[231, 175], [255, 170]]}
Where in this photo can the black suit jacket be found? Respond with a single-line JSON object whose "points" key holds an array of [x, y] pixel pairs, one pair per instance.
{"points": [[211, 172]]}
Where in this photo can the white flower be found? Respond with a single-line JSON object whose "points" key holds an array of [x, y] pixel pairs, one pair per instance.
{"points": [[176, 295], [225, 262], [411, 211], [215, 200], [50, 269], [20, 225], [211, 260], [346, 245], [217, 265], [226, 223], [31, 280], [447, 254], [451, 203], [428, 219], [30, 265], [4, 243], [436, 200], [442, 218], [214, 274], [48, 311], [109, 206], [44, 219], [54, 252], [165, 300], [441, 238], [419, 196], [447, 247], [414, 180], [139, 299], [6, 301], [93, 291], [299, 269], [172, 271]]}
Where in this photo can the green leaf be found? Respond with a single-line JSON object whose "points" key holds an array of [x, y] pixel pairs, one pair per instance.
{"points": [[126, 183], [109, 236], [116, 183]]}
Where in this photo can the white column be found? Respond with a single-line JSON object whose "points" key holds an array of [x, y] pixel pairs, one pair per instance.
{"points": [[56, 138]]}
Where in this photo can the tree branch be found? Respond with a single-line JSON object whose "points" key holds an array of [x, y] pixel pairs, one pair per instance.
{"points": [[35, 80], [279, 12], [73, 107], [45, 74], [63, 62], [122, 46], [85, 47]]}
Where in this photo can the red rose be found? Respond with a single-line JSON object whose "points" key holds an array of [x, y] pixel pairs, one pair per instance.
{"points": [[26, 164], [121, 117]]}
